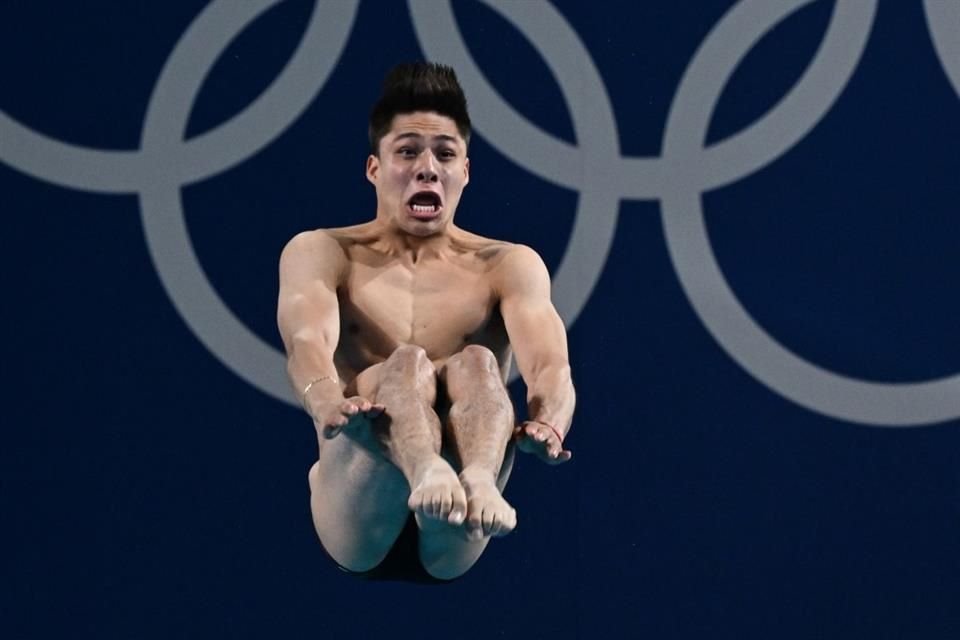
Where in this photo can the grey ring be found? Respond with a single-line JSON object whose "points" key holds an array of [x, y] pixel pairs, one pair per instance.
{"points": [[746, 342]]}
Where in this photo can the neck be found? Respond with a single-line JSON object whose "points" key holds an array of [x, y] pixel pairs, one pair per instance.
{"points": [[412, 248]]}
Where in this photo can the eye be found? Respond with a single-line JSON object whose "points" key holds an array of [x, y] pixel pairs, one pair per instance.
{"points": [[447, 154], [407, 152]]}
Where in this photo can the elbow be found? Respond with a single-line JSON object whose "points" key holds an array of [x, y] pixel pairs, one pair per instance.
{"points": [[307, 341]]}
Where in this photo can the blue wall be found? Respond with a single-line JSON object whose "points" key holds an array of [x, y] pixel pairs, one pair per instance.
{"points": [[766, 442]]}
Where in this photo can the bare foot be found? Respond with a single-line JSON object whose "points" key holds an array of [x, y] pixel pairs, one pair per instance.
{"points": [[488, 514], [438, 493]]}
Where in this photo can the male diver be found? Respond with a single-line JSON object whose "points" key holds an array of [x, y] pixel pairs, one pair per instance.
{"points": [[399, 334]]}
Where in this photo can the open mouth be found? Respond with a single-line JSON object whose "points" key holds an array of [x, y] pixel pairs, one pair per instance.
{"points": [[425, 204]]}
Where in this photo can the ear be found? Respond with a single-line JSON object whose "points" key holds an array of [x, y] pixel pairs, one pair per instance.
{"points": [[466, 171], [373, 168]]}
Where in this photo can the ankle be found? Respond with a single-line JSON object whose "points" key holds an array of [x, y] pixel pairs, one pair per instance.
{"points": [[477, 474], [425, 466]]}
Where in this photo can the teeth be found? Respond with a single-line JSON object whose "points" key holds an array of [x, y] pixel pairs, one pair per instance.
{"points": [[424, 208]]}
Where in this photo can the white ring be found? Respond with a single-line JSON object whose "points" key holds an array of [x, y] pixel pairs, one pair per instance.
{"points": [[744, 340], [168, 240]]}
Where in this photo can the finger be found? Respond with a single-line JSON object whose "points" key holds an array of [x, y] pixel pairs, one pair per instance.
{"points": [[331, 430], [533, 443], [529, 445], [333, 423], [556, 447], [562, 457], [519, 433], [348, 408], [375, 410], [547, 436], [355, 420]]}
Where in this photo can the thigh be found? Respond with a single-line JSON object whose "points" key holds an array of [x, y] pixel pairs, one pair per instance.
{"points": [[358, 498]]}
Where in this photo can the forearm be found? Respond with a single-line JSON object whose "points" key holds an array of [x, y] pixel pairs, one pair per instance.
{"points": [[551, 398], [310, 360]]}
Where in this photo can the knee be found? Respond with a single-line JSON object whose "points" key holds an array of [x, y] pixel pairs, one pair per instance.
{"points": [[474, 375], [409, 364], [410, 357], [476, 358], [409, 354]]}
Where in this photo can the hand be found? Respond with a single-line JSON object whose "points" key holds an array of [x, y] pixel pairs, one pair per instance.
{"points": [[331, 418], [542, 441]]}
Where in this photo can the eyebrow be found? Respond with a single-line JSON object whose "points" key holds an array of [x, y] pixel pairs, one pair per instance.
{"points": [[440, 136]]}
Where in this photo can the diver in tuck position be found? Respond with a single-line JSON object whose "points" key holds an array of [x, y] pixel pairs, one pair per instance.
{"points": [[399, 334]]}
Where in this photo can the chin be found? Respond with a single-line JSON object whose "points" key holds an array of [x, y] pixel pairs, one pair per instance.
{"points": [[422, 227]]}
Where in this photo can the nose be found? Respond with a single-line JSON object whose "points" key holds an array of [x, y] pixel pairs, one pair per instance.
{"points": [[427, 168]]}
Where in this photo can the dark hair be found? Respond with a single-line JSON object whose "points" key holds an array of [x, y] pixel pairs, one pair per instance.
{"points": [[418, 86]]}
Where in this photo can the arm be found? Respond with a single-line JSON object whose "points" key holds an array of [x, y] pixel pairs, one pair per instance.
{"points": [[539, 340], [308, 315]]}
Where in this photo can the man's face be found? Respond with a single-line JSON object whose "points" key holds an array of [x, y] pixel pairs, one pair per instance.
{"points": [[420, 172]]}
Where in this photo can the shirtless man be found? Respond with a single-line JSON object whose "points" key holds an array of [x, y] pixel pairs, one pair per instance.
{"points": [[399, 334]]}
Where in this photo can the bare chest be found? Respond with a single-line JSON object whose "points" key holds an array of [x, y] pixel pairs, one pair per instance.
{"points": [[440, 307]]}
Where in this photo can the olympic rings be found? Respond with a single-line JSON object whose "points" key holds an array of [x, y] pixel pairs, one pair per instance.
{"points": [[595, 167]]}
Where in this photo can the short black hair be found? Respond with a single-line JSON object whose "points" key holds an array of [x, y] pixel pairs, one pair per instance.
{"points": [[418, 86]]}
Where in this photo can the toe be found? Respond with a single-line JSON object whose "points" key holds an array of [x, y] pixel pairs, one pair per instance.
{"points": [[495, 525], [459, 498], [458, 506], [506, 522], [488, 520], [474, 525], [415, 502], [445, 505]]}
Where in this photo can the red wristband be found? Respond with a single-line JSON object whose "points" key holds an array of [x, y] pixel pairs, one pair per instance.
{"points": [[552, 428]]}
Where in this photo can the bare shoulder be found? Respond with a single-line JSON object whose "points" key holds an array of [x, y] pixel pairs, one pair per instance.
{"points": [[520, 261], [516, 268], [497, 254], [321, 252]]}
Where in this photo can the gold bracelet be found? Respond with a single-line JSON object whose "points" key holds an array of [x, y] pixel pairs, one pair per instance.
{"points": [[306, 389]]}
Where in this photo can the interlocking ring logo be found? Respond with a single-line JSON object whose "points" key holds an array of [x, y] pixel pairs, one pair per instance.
{"points": [[166, 162]]}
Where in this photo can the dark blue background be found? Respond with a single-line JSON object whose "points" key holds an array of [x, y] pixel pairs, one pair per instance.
{"points": [[147, 491]]}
